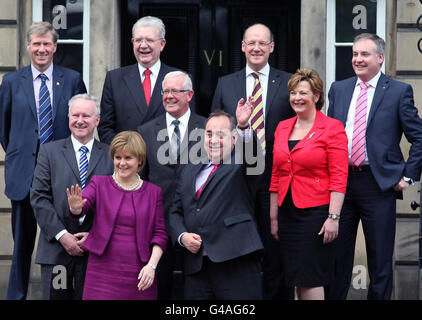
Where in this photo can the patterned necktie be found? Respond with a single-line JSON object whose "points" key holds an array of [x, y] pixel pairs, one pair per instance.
{"points": [[359, 127], [175, 139], [46, 113], [257, 116], [147, 85], [83, 165], [202, 186]]}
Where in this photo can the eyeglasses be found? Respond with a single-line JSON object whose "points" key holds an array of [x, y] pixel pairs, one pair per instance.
{"points": [[147, 41], [261, 44], [166, 92]]}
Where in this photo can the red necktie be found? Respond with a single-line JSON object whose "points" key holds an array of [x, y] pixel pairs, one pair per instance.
{"points": [[359, 127], [212, 171], [147, 85]]}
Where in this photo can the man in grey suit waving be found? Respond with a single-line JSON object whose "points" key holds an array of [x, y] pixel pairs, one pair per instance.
{"points": [[60, 164], [269, 88]]}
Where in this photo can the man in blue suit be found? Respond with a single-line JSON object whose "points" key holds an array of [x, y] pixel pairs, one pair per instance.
{"points": [[33, 111], [375, 110]]}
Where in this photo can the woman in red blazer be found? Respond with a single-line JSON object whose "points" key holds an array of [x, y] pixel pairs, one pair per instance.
{"points": [[308, 184], [128, 234]]}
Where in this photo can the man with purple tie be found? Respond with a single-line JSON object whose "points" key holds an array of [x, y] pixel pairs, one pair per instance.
{"points": [[375, 110]]}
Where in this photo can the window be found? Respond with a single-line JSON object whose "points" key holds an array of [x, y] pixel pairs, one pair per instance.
{"points": [[345, 20], [70, 18]]}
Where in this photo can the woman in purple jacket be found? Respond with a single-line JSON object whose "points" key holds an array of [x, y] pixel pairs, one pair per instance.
{"points": [[128, 235]]}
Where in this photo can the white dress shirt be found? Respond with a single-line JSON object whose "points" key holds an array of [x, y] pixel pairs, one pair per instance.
{"points": [[37, 85], [264, 74], [351, 115], [155, 69], [183, 125]]}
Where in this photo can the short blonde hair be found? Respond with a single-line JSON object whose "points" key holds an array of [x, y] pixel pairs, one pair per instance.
{"points": [[129, 141], [312, 77]]}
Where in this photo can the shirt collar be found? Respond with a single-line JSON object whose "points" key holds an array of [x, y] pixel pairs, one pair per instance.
{"points": [[48, 72], [373, 82], [183, 119], [155, 68], [77, 145], [264, 71]]}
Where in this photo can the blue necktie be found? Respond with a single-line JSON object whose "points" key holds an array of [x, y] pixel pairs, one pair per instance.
{"points": [[46, 113], [83, 165]]}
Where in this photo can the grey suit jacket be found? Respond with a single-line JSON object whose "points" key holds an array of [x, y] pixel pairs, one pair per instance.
{"points": [[56, 170]]}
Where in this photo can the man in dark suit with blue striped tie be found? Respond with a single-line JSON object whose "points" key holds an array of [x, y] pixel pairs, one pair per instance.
{"points": [[33, 111]]}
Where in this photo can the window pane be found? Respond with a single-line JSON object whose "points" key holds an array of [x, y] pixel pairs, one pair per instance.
{"points": [[354, 17], [66, 17], [69, 56], [344, 67]]}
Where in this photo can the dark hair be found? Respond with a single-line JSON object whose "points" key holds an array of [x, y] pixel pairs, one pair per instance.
{"points": [[312, 77]]}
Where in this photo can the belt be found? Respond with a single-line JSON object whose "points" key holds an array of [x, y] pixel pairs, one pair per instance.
{"points": [[359, 168]]}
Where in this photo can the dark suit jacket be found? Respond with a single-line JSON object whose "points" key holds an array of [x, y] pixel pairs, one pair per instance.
{"points": [[19, 122], [56, 170], [317, 165], [166, 175], [106, 196], [222, 215], [123, 104], [232, 87], [392, 113]]}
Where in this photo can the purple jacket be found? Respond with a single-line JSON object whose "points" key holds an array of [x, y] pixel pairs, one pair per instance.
{"points": [[148, 204]]}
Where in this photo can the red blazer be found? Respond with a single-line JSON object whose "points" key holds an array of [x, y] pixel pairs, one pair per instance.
{"points": [[317, 165]]}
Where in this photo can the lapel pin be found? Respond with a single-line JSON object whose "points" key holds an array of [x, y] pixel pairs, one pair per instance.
{"points": [[273, 81], [310, 136], [57, 83]]}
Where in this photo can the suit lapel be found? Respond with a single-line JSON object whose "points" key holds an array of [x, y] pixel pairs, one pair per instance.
{"points": [[57, 84], [156, 98], [28, 87], [96, 154], [69, 155], [286, 128], [273, 85], [193, 124], [241, 88], [134, 83], [313, 134], [380, 90], [348, 94]]}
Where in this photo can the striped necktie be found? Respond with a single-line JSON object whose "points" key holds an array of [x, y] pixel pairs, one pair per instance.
{"points": [[46, 112], [175, 139], [83, 165], [359, 127], [257, 116]]}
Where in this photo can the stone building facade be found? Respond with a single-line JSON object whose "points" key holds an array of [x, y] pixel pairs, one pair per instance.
{"points": [[101, 43]]}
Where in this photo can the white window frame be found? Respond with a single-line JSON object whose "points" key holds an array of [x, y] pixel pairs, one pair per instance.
{"points": [[37, 9], [331, 44]]}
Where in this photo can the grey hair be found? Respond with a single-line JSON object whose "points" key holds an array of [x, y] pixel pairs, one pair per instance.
{"points": [[86, 96], [150, 21], [259, 24], [379, 42], [41, 28], [187, 84]]}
